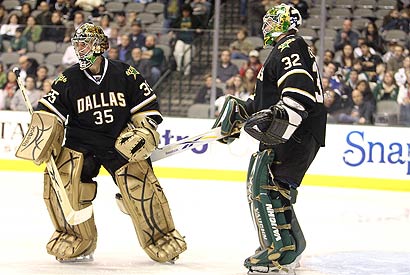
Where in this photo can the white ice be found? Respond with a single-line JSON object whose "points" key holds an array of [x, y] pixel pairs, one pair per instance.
{"points": [[348, 231]]}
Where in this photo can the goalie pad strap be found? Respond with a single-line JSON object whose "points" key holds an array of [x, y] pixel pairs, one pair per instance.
{"points": [[272, 212], [70, 241], [143, 199], [44, 137]]}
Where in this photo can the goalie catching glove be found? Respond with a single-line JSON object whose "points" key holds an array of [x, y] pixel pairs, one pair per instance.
{"points": [[277, 124], [137, 142], [231, 118]]}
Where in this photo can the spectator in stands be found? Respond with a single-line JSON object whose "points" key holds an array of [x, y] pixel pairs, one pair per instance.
{"points": [[17, 102], [79, 19], [302, 6], [357, 65], [202, 10], [380, 72], [256, 11], [41, 75], [105, 22], [172, 10], [56, 31], [253, 62], [137, 36], [144, 66], [3, 75], [18, 43], [372, 36], [352, 78], [91, 6], [364, 87], [69, 56], [241, 47], [393, 21], [9, 30], [3, 15], [346, 35], [44, 17], [369, 60], [345, 59], [25, 12], [249, 80], [329, 56], [32, 31], [396, 61], [60, 6], [390, 50], [403, 99], [219, 102], [156, 55], [9, 89], [401, 75], [358, 51], [28, 66], [114, 39], [332, 105], [121, 22], [124, 49], [387, 90], [113, 53], [187, 26], [361, 111], [226, 69], [238, 86], [203, 95], [46, 87]]}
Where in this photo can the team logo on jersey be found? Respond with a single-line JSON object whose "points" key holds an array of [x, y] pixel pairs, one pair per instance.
{"points": [[61, 78], [286, 44], [132, 71]]}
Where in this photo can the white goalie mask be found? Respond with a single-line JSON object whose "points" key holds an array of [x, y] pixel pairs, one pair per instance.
{"points": [[89, 41]]}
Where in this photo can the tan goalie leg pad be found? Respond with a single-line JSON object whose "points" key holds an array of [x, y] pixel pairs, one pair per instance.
{"points": [[144, 200], [70, 241]]}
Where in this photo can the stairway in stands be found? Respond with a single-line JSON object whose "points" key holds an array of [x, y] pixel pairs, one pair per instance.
{"points": [[177, 92]]}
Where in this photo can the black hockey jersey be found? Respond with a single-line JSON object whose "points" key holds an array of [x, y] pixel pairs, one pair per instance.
{"points": [[291, 70], [96, 110]]}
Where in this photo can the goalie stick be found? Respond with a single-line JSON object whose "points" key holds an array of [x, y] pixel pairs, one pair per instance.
{"points": [[186, 143], [72, 216]]}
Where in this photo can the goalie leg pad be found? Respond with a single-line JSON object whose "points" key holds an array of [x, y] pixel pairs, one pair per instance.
{"points": [[43, 138], [144, 200], [69, 242], [281, 239]]}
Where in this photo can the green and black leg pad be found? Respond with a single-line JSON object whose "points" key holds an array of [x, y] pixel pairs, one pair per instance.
{"points": [[281, 239]]}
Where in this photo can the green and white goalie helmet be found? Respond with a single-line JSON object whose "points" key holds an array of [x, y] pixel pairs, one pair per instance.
{"points": [[278, 20], [89, 41]]}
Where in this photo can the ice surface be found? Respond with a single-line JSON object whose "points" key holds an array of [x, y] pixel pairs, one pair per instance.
{"points": [[348, 231]]}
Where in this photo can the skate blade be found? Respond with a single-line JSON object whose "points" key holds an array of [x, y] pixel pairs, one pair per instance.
{"points": [[79, 259], [265, 270]]}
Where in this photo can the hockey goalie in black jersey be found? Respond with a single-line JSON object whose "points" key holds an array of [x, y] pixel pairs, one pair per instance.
{"points": [[110, 115], [287, 116]]}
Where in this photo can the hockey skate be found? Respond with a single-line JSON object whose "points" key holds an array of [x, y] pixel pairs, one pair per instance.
{"points": [[79, 259], [259, 264]]}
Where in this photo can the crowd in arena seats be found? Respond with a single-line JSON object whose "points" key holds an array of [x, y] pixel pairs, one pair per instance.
{"points": [[366, 70], [368, 55], [25, 26]]}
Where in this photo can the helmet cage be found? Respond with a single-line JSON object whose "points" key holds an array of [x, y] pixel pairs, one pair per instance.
{"points": [[89, 42], [279, 20]]}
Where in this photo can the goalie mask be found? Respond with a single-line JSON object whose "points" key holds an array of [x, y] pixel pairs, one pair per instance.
{"points": [[279, 20], [89, 42]]}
